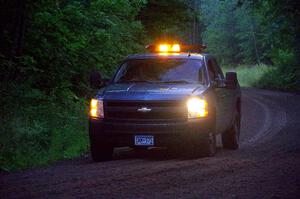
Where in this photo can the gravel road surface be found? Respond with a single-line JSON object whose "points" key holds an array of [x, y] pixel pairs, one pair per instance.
{"points": [[267, 165]]}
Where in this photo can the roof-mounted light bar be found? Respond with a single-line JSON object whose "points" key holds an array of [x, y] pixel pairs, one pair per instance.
{"points": [[175, 48], [164, 48]]}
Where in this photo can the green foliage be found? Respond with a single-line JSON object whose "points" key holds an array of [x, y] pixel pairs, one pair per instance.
{"points": [[167, 19], [256, 32], [220, 18], [36, 129], [284, 75], [249, 75], [74, 38], [44, 91]]}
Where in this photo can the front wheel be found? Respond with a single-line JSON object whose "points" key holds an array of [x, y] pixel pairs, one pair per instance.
{"points": [[230, 138]]}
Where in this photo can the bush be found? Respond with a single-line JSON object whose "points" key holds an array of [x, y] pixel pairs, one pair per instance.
{"points": [[37, 129], [284, 75]]}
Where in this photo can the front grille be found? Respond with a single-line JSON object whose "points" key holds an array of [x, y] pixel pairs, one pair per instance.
{"points": [[161, 111]]}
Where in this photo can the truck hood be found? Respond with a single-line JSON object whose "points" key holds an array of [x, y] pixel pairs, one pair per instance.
{"points": [[150, 91]]}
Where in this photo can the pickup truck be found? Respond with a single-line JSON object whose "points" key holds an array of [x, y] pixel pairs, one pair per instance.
{"points": [[165, 98]]}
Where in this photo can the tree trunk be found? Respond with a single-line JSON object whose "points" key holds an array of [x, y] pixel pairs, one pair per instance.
{"points": [[255, 43], [19, 27]]}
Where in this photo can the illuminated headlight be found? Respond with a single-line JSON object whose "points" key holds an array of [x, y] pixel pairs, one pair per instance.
{"points": [[96, 108], [197, 108]]}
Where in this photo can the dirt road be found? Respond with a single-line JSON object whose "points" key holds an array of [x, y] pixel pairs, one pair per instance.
{"points": [[267, 165]]}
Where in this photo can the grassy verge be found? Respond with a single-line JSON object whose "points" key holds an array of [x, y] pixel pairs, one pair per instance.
{"points": [[249, 76], [263, 76]]}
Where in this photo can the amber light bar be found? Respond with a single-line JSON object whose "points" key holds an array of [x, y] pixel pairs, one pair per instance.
{"points": [[164, 48], [175, 48]]}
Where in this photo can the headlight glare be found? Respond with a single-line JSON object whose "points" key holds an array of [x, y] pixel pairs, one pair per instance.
{"points": [[197, 108]]}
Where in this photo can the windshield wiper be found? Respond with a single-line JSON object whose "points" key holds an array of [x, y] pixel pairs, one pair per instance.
{"points": [[134, 81], [176, 82], [164, 82]]}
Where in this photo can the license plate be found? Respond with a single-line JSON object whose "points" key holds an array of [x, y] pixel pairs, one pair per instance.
{"points": [[144, 140]]}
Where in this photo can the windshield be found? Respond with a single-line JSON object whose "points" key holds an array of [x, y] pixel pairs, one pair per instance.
{"points": [[161, 71]]}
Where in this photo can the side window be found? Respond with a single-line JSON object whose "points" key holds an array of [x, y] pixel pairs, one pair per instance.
{"points": [[201, 76], [218, 69], [211, 70]]}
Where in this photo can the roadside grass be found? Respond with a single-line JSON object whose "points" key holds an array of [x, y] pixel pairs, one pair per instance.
{"points": [[249, 75]]}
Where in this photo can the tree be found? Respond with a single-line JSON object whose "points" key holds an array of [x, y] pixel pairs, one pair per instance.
{"points": [[167, 20], [221, 29]]}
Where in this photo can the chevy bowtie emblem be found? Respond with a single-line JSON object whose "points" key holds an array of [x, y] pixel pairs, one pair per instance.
{"points": [[144, 109]]}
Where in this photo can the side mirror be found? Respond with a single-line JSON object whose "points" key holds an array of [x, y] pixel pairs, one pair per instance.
{"points": [[231, 80], [221, 83], [96, 80], [218, 83]]}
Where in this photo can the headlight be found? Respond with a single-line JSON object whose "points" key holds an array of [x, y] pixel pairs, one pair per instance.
{"points": [[96, 108], [197, 108]]}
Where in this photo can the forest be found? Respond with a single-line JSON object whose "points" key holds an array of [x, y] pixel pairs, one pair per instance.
{"points": [[49, 47]]}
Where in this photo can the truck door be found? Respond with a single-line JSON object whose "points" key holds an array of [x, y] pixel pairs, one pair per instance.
{"points": [[220, 94], [228, 97]]}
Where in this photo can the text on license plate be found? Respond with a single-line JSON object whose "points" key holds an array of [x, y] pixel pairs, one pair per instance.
{"points": [[144, 140]]}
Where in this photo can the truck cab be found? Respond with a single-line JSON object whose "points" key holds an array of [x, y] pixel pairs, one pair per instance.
{"points": [[165, 98]]}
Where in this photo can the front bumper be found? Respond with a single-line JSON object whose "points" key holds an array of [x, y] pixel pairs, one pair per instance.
{"points": [[122, 134]]}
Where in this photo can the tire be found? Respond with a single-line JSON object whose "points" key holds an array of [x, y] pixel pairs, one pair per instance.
{"points": [[100, 151], [208, 145], [202, 146], [230, 138]]}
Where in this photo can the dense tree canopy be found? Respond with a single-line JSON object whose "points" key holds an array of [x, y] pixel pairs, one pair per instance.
{"points": [[255, 32], [169, 19]]}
